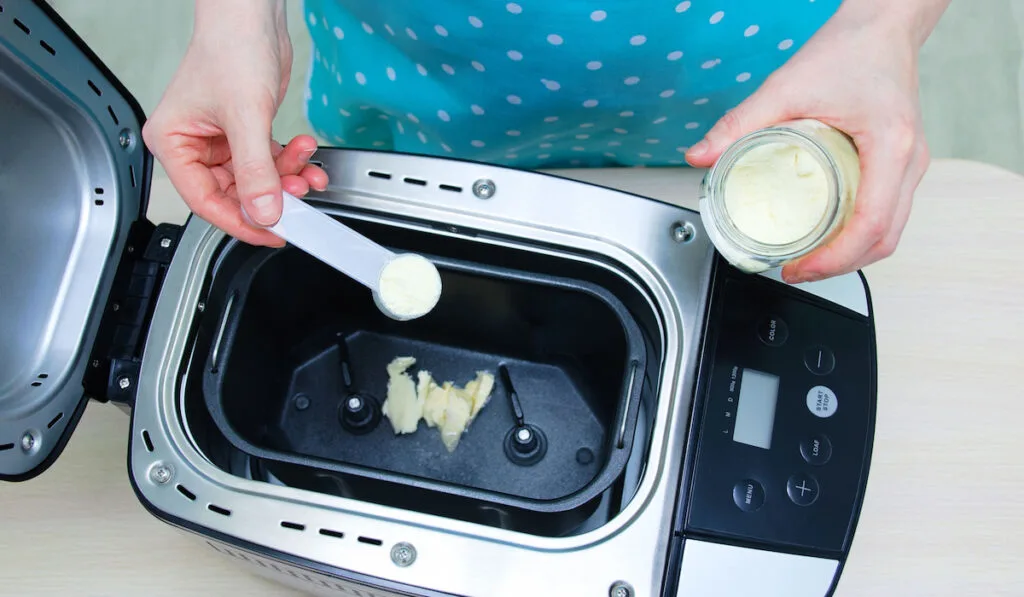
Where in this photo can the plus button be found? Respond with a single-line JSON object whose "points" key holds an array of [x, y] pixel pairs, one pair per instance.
{"points": [[802, 489]]}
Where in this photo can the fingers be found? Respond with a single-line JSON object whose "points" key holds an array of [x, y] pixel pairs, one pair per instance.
{"points": [[256, 177], [294, 159], [879, 207], [766, 107]]}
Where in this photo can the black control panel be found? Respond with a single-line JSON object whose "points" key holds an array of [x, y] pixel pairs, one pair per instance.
{"points": [[784, 420]]}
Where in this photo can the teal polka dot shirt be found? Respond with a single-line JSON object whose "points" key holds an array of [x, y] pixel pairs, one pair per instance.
{"points": [[543, 83]]}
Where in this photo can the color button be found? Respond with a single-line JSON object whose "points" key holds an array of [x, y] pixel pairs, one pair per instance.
{"points": [[773, 331]]}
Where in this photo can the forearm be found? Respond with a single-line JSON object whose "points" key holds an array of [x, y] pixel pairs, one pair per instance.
{"points": [[916, 18]]}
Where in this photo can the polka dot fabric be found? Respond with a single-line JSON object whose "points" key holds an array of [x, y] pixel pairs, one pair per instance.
{"points": [[543, 83]]}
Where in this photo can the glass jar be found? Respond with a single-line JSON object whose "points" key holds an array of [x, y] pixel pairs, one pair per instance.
{"points": [[779, 193]]}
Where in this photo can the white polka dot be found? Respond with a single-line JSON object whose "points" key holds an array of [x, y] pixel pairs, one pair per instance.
{"points": [[361, 78], [515, 100], [361, 129], [339, 33], [514, 55], [421, 69], [513, 8], [594, 65], [448, 69], [638, 40], [579, 148], [609, 154], [683, 6], [675, 161], [682, 149], [410, 33], [555, 39], [513, 133], [743, 77], [476, 143], [551, 85], [338, 76], [476, 22], [477, 110], [676, 55], [626, 113], [443, 116], [659, 120], [383, 116], [751, 31], [378, 144], [510, 156], [621, 131], [550, 119], [544, 145], [667, 93], [323, 99], [590, 103], [412, 118], [700, 101], [598, 15], [711, 63], [441, 30], [391, 73], [390, 31], [445, 147], [692, 125], [716, 18], [423, 138], [478, 66], [653, 141], [312, 19], [400, 127], [631, 80], [543, 156], [785, 44], [645, 156], [344, 112], [614, 143], [364, 107], [367, 28], [587, 125]]}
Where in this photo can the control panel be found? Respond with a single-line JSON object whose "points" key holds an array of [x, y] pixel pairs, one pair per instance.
{"points": [[785, 417]]}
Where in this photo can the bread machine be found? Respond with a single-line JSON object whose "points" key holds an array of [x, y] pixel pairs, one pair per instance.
{"points": [[695, 431]]}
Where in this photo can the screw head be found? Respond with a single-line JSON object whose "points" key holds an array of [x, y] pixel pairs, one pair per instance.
{"points": [[524, 435], [683, 232], [161, 473], [403, 554], [28, 441], [125, 139], [484, 188], [165, 243], [201, 307], [621, 589], [301, 402], [124, 383], [355, 403]]}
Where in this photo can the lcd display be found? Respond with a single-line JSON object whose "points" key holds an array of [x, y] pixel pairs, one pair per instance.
{"points": [[755, 412]]}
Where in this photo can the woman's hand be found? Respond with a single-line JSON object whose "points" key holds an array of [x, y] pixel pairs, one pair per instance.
{"points": [[212, 129], [858, 73]]}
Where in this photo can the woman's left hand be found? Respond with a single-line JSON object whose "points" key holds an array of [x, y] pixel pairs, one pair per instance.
{"points": [[858, 73]]}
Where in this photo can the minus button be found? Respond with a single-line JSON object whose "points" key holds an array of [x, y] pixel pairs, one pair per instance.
{"points": [[819, 360]]}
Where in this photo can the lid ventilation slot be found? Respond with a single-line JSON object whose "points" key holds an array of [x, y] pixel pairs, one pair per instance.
{"points": [[293, 525], [330, 533], [22, 26], [55, 420], [5, 447], [110, 110], [218, 510], [185, 492], [95, 89], [148, 441], [370, 541], [48, 48]]}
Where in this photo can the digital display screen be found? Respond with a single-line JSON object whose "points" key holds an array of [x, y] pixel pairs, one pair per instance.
{"points": [[755, 411]]}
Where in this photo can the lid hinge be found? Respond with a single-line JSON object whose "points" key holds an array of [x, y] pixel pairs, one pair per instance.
{"points": [[113, 371]]}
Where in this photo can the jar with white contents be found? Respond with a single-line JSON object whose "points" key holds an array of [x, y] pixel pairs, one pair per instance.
{"points": [[778, 193]]}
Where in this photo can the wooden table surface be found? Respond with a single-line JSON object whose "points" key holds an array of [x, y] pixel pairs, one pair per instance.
{"points": [[944, 513]]}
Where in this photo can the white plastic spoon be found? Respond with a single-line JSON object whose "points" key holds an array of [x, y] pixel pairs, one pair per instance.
{"points": [[405, 286]]}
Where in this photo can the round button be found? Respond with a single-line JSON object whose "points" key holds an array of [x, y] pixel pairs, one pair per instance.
{"points": [[816, 449], [773, 331], [802, 489], [819, 360], [822, 402], [748, 495]]}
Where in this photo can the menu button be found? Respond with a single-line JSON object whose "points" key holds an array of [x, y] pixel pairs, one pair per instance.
{"points": [[748, 495]]}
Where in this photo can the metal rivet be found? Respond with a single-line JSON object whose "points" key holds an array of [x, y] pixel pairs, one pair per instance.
{"points": [[125, 139], [165, 243], [131, 249], [683, 232], [524, 435], [403, 554], [201, 307], [116, 306], [28, 441], [301, 402], [484, 189], [355, 403], [621, 589], [124, 383], [161, 473], [95, 362]]}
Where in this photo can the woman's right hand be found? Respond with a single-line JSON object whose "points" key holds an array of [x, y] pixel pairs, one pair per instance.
{"points": [[212, 128]]}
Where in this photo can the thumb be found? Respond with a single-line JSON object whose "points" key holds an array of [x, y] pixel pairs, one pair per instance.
{"points": [[257, 180], [758, 111]]}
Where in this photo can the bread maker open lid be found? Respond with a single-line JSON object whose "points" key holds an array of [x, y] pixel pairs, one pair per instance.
{"points": [[74, 181]]}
